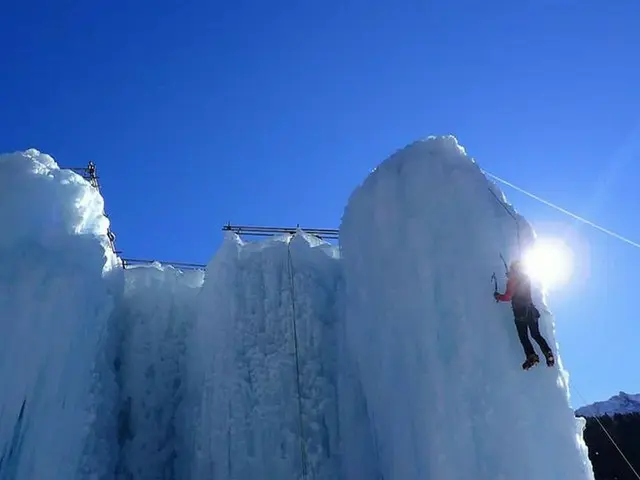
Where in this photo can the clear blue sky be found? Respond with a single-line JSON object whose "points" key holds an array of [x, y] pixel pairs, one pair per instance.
{"points": [[259, 112]]}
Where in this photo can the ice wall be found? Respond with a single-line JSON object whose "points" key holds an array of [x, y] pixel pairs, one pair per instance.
{"points": [[143, 373], [92, 357], [254, 419], [152, 323], [439, 360], [406, 368], [55, 302]]}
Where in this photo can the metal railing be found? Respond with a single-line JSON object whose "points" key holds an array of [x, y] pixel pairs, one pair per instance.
{"points": [[323, 233], [90, 173]]}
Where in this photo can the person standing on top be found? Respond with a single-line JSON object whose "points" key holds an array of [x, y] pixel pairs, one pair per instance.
{"points": [[525, 314]]}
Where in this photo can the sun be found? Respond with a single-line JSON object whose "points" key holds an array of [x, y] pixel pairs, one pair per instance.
{"points": [[549, 261]]}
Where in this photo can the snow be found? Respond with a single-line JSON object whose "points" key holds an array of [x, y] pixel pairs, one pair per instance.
{"points": [[439, 360], [622, 404], [249, 420], [286, 357], [48, 204], [153, 321], [55, 305], [91, 357]]}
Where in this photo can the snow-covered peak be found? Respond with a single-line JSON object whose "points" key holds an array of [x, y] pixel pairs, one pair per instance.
{"points": [[623, 403]]}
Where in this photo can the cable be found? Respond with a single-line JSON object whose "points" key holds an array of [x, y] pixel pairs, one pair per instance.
{"points": [[303, 451], [610, 437], [566, 212], [515, 219], [608, 232]]}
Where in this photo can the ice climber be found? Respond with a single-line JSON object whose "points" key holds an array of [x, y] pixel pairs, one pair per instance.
{"points": [[525, 313]]}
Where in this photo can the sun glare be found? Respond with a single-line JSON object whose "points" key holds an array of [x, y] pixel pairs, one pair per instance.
{"points": [[549, 262]]}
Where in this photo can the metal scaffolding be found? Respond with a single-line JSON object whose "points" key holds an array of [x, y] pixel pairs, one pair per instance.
{"points": [[179, 265], [323, 233], [90, 173]]}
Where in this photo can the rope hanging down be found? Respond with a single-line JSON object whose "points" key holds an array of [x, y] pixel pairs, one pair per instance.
{"points": [[515, 219], [303, 449], [624, 457], [602, 229], [562, 210]]}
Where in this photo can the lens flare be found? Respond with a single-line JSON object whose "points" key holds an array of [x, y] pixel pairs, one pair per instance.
{"points": [[549, 261]]}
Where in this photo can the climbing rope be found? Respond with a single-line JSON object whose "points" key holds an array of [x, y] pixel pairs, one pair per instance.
{"points": [[515, 219], [624, 457], [303, 449], [598, 227], [562, 210]]}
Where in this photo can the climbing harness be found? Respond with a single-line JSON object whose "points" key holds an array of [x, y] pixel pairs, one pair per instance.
{"points": [[598, 227], [303, 449]]}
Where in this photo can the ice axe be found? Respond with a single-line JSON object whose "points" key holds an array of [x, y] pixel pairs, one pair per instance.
{"points": [[506, 269], [495, 284], [493, 275]]}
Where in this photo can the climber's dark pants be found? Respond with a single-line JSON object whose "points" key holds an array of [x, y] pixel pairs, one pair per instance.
{"points": [[526, 319]]}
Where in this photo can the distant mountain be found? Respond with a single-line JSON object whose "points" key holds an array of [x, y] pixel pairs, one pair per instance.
{"points": [[623, 403], [620, 416]]}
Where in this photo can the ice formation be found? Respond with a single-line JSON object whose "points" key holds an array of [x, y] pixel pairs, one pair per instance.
{"points": [[386, 357]]}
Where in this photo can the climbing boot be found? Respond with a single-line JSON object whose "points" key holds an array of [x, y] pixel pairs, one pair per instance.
{"points": [[530, 361]]}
